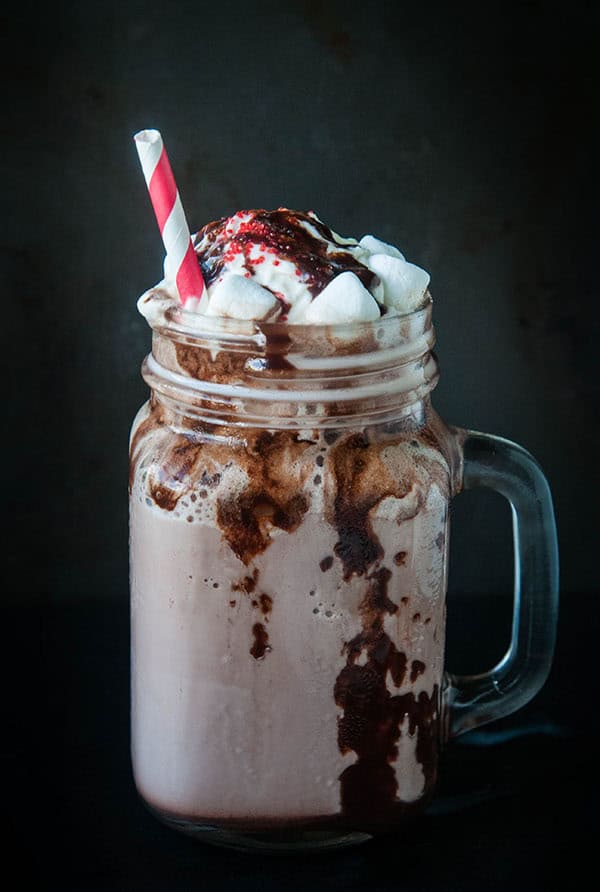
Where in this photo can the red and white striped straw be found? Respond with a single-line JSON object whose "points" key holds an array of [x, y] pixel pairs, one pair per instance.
{"points": [[170, 216]]}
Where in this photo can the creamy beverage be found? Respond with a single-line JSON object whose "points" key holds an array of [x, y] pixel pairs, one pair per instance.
{"points": [[289, 493], [289, 543]]}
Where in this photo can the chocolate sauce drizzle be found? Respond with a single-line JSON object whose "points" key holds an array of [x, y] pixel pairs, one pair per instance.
{"points": [[372, 716], [246, 518], [261, 641], [281, 233], [277, 347], [247, 584], [260, 646], [356, 547], [265, 603]]}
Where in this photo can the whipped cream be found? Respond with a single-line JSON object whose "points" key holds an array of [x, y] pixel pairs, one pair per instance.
{"points": [[288, 266]]}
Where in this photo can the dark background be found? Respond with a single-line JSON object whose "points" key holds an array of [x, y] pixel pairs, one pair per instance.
{"points": [[461, 133], [458, 132]]}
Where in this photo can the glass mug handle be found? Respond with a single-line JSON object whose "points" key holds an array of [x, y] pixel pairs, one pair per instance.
{"points": [[507, 468]]}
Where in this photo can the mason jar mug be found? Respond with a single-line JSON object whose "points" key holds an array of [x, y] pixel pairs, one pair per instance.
{"points": [[289, 502]]}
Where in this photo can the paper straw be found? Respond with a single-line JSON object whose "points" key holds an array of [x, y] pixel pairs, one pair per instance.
{"points": [[170, 217]]}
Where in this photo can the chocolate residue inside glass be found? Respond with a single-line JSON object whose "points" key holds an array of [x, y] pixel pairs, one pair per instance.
{"points": [[266, 605], [261, 641], [372, 717], [371, 720]]}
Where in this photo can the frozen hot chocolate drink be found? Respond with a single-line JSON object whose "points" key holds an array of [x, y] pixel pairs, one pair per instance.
{"points": [[289, 490]]}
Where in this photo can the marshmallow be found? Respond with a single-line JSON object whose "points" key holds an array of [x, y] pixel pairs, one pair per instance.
{"points": [[376, 246], [404, 283], [281, 284], [298, 309], [376, 289], [345, 299], [241, 298], [342, 240]]}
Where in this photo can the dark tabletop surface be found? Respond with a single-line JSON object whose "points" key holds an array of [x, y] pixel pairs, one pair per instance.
{"points": [[516, 800]]}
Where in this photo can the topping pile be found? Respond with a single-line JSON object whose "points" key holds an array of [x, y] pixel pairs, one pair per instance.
{"points": [[288, 266]]}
